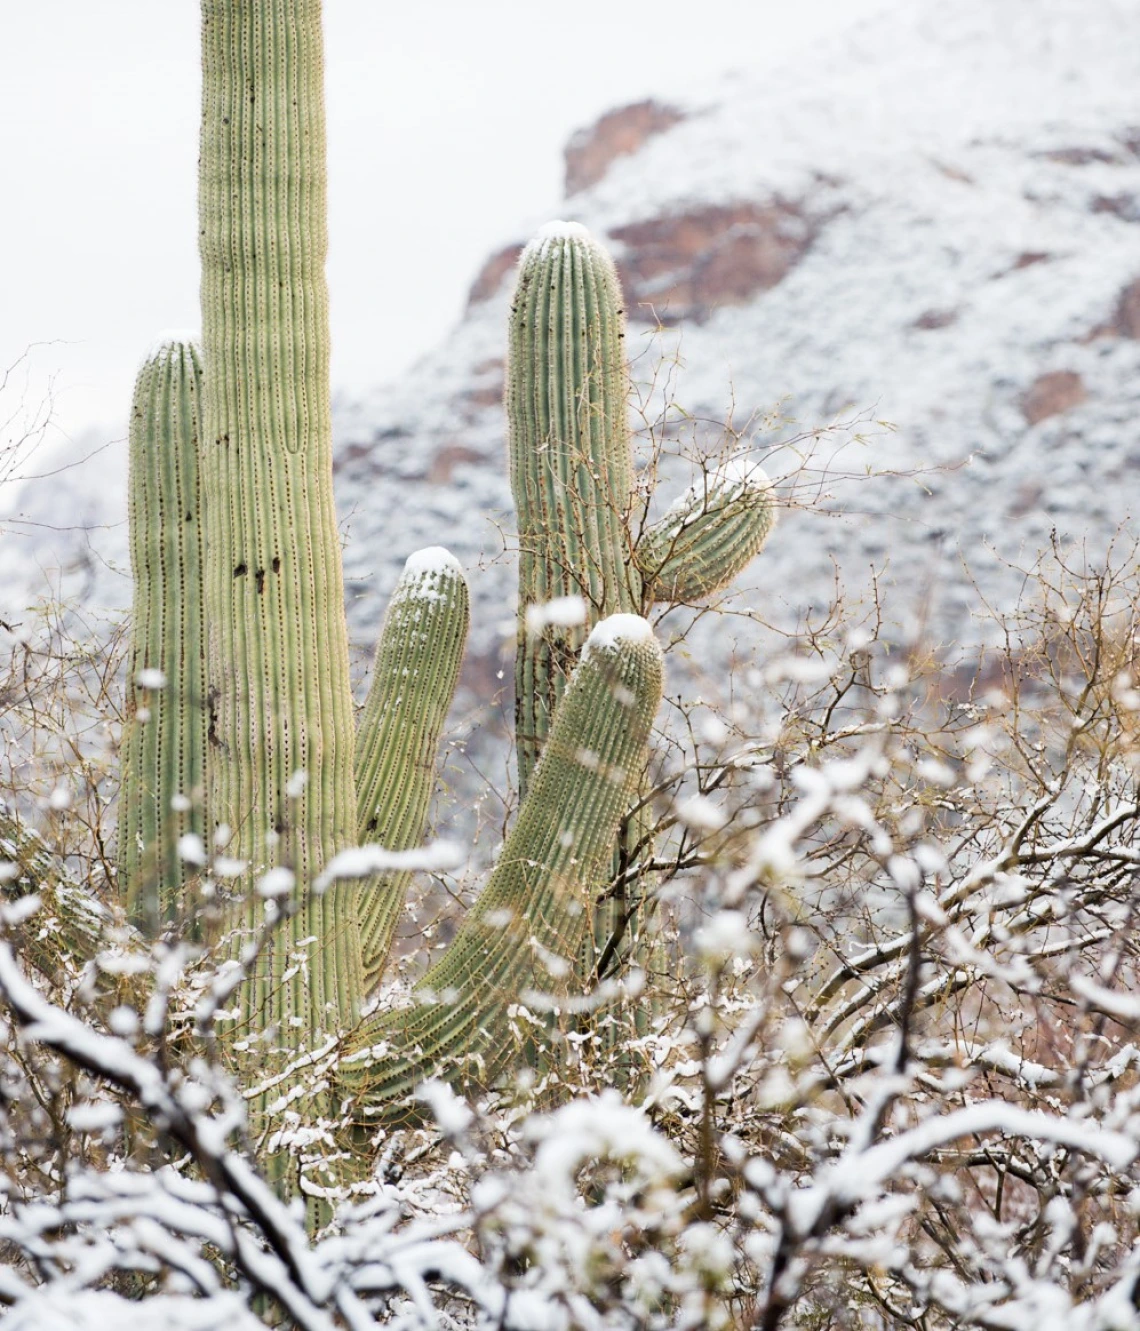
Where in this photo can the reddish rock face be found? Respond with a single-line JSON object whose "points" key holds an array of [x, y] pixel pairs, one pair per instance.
{"points": [[932, 319], [443, 464], [1078, 156], [1125, 318], [1124, 206], [1052, 393], [685, 265], [591, 152], [491, 275]]}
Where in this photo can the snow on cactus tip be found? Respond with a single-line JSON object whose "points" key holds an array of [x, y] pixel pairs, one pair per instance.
{"points": [[432, 559], [739, 473], [561, 230], [557, 233], [610, 634], [730, 481]]}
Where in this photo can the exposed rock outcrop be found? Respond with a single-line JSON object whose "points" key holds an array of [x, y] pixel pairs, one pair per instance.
{"points": [[686, 265], [1051, 394], [593, 150]]}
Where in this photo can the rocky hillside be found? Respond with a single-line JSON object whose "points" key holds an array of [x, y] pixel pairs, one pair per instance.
{"points": [[934, 221]]}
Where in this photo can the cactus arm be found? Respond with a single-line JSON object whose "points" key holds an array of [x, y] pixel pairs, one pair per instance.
{"points": [[708, 536], [70, 927], [164, 736], [413, 682], [527, 928], [277, 649], [570, 461]]}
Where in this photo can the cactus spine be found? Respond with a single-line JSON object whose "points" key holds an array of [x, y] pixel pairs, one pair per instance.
{"points": [[164, 738]]}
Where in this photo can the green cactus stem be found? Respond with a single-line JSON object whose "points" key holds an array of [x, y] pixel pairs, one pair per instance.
{"points": [[164, 736], [413, 682], [713, 531], [277, 649], [528, 926]]}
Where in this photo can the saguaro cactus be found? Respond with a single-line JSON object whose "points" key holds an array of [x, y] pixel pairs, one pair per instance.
{"points": [[572, 478], [164, 737], [275, 658], [276, 687]]}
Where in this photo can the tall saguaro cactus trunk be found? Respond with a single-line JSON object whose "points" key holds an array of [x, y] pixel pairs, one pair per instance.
{"points": [[277, 649]]}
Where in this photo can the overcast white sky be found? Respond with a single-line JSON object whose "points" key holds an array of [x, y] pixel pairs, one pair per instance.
{"points": [[446, 121]]}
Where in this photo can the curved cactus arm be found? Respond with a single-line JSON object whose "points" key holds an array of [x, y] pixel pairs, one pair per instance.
{"points": [[413, 682], [277, 645], [70, 927], [570, 461], [164, 737], [708, 536], [527, 928]]}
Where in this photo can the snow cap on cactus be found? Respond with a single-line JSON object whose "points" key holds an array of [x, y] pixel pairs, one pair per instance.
{"points": [[559, 230], [609, 634]]}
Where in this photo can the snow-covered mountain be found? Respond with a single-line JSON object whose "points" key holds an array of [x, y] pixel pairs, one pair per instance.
{"points": [[932, 221]]}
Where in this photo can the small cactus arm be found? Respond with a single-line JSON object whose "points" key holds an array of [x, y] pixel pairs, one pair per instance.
{"points": [[413, 681], [70, 926], [528, 926], [712, 532], [164, 737], [277, 644]]}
